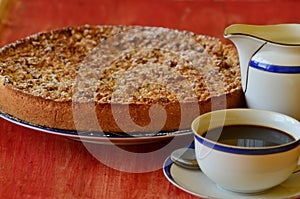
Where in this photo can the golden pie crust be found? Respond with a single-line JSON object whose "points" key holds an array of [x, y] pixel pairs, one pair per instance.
{"points": [[117, 78]]}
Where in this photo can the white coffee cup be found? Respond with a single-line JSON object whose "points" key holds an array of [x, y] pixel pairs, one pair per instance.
{"points": [[246, 169]]}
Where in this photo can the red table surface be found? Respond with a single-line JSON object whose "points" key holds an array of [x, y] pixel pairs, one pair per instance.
{"points": [[34, 164]]}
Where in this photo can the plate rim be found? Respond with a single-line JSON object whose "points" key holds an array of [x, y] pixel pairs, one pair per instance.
{"points": [[99, 139]]}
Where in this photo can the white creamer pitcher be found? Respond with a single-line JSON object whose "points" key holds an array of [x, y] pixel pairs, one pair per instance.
{"points": [[270, 65]]}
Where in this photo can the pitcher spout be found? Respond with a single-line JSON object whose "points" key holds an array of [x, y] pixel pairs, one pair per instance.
{"points": [[247, 45]]}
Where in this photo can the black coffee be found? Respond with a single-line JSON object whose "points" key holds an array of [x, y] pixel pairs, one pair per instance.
{"points": [[248, 136]]}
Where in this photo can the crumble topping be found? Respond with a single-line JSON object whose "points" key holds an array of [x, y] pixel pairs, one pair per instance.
{"points": [[119, 64]]}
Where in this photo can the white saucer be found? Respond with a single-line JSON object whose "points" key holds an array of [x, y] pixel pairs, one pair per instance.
{"points": [[196, 183]]}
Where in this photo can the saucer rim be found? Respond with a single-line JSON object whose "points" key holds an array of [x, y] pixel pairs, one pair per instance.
{"points": [[167, 172], [168, 163]]}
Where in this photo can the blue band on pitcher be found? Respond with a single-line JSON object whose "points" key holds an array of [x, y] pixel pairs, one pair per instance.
{"points": [[274, 68]]}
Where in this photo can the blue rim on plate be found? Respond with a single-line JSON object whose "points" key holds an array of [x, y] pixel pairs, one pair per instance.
{"points": [[101, 137]]}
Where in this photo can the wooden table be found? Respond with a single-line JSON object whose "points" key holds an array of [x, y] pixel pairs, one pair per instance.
{"points": [[34, 164]]}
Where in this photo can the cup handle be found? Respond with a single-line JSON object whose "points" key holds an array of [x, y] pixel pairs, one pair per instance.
{"points": [[297, 169]]}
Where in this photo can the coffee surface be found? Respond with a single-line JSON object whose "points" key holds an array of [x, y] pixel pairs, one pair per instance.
{"points": [[248, 136]]}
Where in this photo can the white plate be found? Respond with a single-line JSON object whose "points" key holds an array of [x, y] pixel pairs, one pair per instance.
{"points": [[196, 183], [104, 138]]}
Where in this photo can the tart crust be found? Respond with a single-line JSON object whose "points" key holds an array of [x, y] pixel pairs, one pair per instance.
{"points": [[58, 79]]}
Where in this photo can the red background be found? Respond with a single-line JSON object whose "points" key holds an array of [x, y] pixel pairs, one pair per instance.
{"points": [[38, 165], [208, 17]]}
